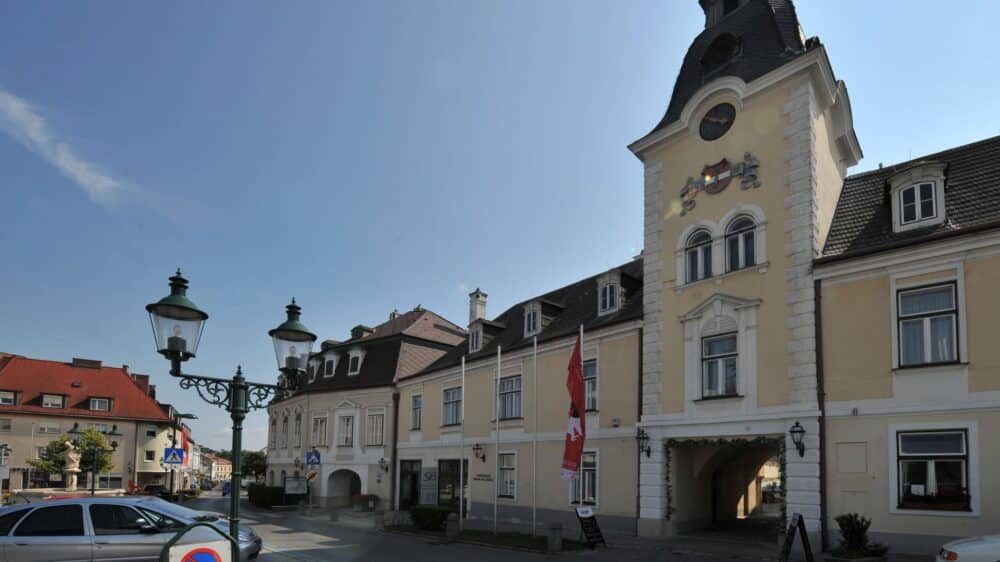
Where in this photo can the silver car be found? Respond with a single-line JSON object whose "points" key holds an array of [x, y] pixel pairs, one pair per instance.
{"points": [[122, 529]]}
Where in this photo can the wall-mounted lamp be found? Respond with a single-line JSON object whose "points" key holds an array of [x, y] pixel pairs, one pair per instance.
{"points": [[297, 462], [477, 450], [383, 464], [798, 432], [642, 438]]}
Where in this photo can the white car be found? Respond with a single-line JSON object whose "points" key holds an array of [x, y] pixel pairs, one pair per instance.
{"points": [[975, 549]]}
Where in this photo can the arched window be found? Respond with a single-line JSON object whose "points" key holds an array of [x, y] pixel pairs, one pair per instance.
{"points": [[284, 475], [721, 52], [698, 253], [284, 431], [740, 243], [270, 478], [298, 429]]}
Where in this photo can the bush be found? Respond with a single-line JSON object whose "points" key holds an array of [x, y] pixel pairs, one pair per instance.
{"points": [[854, 541], [265, 496], [429, 518]]}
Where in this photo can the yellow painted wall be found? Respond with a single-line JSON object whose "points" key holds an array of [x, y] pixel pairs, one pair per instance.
{"points": [[982, 280], [857, 341]]}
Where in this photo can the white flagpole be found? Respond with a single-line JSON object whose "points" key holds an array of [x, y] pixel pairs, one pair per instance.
{"points": [[496, 447], [583, 417], [461, 459], [534, 439]]}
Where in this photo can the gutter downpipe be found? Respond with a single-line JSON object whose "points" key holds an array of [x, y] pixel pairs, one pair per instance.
{"points": [[821, 400], [638, 453], [392, 455]]}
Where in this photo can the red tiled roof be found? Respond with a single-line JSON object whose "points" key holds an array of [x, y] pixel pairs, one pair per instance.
{"points": [[31, 378]]}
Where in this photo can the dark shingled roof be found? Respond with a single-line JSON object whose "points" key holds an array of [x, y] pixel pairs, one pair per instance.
{"points": [[862, 223], [768, 31], [579, 306]]}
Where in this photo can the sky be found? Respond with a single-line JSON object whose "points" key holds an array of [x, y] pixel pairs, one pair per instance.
{"points": [[369, 156]]}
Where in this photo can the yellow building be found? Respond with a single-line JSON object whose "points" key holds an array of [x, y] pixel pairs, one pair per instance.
{"points": [[742, 175], [910, 361], [514, 467]]}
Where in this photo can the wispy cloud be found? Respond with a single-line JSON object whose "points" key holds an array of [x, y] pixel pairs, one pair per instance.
{"points": [[19, 120]]}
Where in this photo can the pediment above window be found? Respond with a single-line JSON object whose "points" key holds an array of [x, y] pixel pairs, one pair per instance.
{"points": [[716, 305], [348, 405]]}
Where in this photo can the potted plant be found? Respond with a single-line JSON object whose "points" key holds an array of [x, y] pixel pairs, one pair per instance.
{"points": [[854, 543]]}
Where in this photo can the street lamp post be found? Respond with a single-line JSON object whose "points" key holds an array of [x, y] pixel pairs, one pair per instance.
{"points": [[173, 443], [177, 326]]}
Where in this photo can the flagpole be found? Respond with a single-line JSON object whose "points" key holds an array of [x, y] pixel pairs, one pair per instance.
{"points": [[461, 459], [534, 438], [496, 448], [583, 444]]}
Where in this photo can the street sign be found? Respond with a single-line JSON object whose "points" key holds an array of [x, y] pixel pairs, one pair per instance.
{"points": [[295, 485], [199, 542], [216, 551], [173, 455], [312, 457]]}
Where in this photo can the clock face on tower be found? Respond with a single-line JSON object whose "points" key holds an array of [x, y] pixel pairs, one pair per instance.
{"points": [[717, 121]]}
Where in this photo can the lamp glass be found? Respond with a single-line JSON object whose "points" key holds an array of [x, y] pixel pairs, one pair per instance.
{"points": [[797, 432], [176, 329], [292, 349]]}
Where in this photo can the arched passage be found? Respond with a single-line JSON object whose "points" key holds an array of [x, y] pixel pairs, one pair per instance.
{"points": [[341, 485]]}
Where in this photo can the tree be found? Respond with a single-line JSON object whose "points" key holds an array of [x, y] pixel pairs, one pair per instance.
{"points": [[53, 460], [94, 443], [254, 463]]}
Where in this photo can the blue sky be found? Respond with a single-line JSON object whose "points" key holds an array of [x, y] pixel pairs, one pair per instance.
{"points": [[365, 156]]}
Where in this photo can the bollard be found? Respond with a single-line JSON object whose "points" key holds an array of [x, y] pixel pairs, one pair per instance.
{"points": [[554, 535], [451, 526], [334, 514]]}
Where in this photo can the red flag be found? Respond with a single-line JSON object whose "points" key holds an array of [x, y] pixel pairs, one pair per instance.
{"points": [[576, 430], [185, 445]]}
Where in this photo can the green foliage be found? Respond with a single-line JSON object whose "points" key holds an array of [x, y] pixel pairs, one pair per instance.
{"points": [[254, 463], [93, 444], [54, 458], [854, 541], [429, 517]]}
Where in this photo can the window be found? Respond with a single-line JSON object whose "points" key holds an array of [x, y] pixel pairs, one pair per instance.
{"points": [[532, 319], [452, 406], [608, 298], [917, 203], [507, 480], [284, 431], [5, 424], [161, 521], [149, 456], [590, 384], [318, 431], [588, 472], [933, 470], [376, 430], [355, 365], [298, 430], [151, 430], [48, 429], [328, 368], [346, 437], [416, 411], [52, 401], [8, 521], [510, 397], [6, 398], [927, 325], [55, 521], [273, 438], [740, 244], [41, 453], [102, 427], [475, 339], [100, 404], [718, 366], [698, 254], [111, 519]]}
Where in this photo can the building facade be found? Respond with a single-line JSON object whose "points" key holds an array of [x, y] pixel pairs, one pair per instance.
{"points": [[512, 460], [348, 408], [741, 178], [42, 400]]}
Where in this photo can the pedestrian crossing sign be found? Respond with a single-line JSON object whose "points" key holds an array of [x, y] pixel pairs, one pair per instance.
{"points": [[173, 455]]}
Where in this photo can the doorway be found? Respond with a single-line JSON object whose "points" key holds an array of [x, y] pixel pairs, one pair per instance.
{"points": [[343, 484], [409, 484], [449, 480]]}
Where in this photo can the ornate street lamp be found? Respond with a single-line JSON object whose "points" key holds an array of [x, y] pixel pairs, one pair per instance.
{"points": [[177, 326], [798, 432], [642, 438], [383, 464]]}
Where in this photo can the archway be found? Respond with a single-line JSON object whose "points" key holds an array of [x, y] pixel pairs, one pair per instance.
{"points": [[341, 486]]}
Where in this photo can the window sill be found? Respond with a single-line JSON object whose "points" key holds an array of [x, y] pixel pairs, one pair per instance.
{"points": [[718, 398], [414, 429], [345, 446], [760, 267], [923, 367], [447, 425]]}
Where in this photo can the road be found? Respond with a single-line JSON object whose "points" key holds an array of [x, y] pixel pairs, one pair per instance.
{"points": [[290, 537]]}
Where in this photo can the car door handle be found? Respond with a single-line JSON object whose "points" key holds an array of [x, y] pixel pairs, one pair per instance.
{"points": [[102, 542], [21, 544]]}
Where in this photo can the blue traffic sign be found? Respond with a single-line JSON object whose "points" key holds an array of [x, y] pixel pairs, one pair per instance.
{"points": [[173, 455], [312, 457]]}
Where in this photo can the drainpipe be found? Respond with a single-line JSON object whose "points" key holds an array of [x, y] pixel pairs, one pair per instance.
{"points": [[821, 400], [638, 454], [392, 454]]}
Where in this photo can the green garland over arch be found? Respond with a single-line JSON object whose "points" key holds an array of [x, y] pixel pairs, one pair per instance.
{"points": [[736, 442]]}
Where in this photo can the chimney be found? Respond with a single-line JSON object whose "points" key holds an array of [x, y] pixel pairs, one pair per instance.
{"points": [[152, 391], [394, 314], [86, 363], [141, 381], [361, 331], [477, 305]]}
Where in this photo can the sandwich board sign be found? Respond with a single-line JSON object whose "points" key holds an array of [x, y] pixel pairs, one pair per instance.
{"points": [[199, 546], [591, 530], [173, 455]]}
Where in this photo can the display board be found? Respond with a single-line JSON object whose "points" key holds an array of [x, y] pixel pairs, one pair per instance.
{"points": [[795, 526], [591, 530]]}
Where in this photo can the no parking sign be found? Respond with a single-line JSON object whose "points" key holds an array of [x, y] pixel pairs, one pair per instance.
{"points": [[200, 546]]}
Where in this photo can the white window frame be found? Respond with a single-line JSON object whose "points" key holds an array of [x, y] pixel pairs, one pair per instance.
{"points": [[926, 323], [40, 452], [416, 412], [918, 201], [101, 427], [319, 440], [445, 403], [272, 439], [500, 471], [358, 354], [149, 455], [155, 430], [47, 404], [107, 403], [7, 397], [740, 235], [608, 297], [716, 316], [591, 396], [49, 429], [912, 178], [720, 361], [297, 429], [700, 272], [370, 425], [345, 438], [520, 397], [532, 319], [972, 459], [475, 339], [330, 365], [284, 431], [574, 484]]}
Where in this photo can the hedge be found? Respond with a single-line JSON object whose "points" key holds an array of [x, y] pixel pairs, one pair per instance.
{"points": [[429, 518], [265, 496]]}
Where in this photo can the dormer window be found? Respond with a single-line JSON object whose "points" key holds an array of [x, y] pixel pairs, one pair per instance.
{"points": [[609, 297], [475, 339], [329, 366], [917, 195], [354, 362], [100, 404], [7, 398], [532, 319], [52, 400]]}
